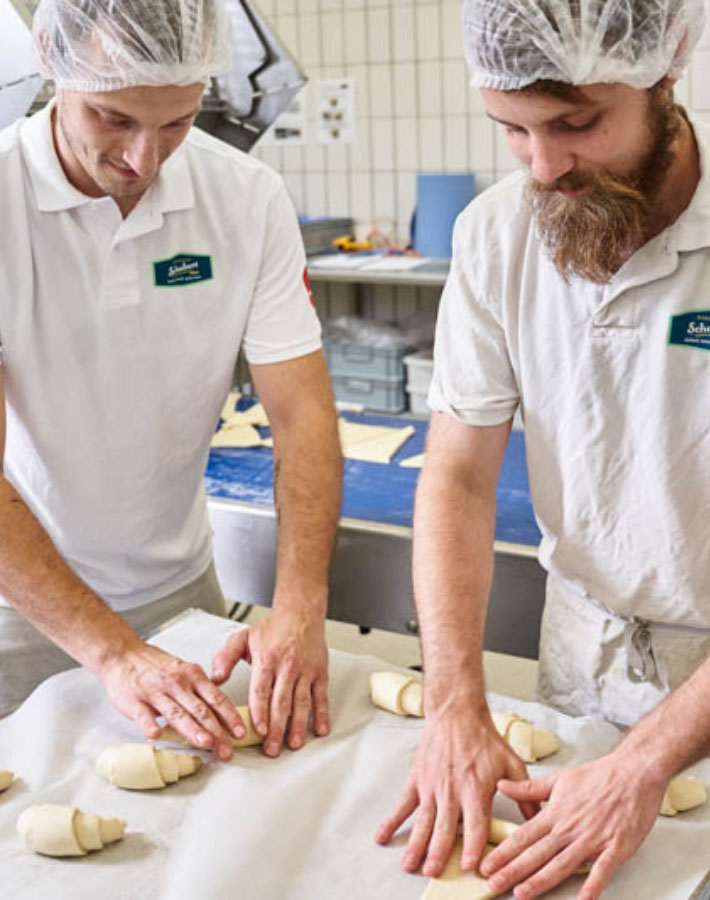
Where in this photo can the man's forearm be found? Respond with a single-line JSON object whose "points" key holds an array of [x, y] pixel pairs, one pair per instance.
{"points": [[453, 570], [307, 492], [677, 732], [35, 580]]}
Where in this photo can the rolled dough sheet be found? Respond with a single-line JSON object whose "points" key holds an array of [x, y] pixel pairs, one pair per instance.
{"points": [[413, 462], [240, 436], [455, 884], [371, 443]]}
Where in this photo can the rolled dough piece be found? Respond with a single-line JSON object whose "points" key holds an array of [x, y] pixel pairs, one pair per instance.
{"points": [[413, 462], [239, 436], [529, 743], [5, 779], [56, 830], [396, 693], [141, 767], [684, 792], [250, 739]]}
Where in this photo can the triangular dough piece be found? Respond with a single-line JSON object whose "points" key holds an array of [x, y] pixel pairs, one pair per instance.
{"points": [[229, 404], [377, 448], [242, 436], [455, 884], [413, 462]]}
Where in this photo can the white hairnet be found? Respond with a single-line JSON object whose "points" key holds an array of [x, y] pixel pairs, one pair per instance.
{"points": [[512, 43], [104, 45]]}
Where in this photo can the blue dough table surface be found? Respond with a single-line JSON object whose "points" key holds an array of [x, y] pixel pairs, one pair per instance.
{"points": [[374, 492]]}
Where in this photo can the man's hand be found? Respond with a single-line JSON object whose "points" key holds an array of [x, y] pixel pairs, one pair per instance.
{"points": [[289, 659], [598, 811], [457, 765], [145, 682]]}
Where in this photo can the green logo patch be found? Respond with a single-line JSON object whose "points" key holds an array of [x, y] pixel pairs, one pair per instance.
{"points": [[691, 329], [181, 269]]}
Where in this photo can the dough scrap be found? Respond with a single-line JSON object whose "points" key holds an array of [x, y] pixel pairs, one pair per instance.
{"points": [[236, 436], [683, 793], [5, 779], [250, 739], [142, 767], [413, 462], [56, 830]]}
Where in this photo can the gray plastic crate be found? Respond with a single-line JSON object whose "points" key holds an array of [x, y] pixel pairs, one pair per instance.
{"points": [[364, 361], [375, 394], [318, 234]]}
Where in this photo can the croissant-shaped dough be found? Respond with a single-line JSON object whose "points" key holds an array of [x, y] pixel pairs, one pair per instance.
{"points": [[5, 779], [250, 739], [141, 767], [56, 830], [527, 741], [683, 792]]}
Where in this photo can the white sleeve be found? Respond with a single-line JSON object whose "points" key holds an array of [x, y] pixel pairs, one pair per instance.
{"points": [[282, 321], [473, 378]]}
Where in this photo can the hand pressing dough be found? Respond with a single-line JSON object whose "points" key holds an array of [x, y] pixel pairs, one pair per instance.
{"points": [[402, 694], [5, 779], [56, 830], [141, 767], [397, 693], [250, 739], [455, 884], [682, 793], [527, 741]]}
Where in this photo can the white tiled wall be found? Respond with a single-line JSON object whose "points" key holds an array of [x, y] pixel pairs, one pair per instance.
{"points": [[416, 111]]}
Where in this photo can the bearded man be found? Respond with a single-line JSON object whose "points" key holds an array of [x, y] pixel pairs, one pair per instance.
{"points": [[579, 293]]}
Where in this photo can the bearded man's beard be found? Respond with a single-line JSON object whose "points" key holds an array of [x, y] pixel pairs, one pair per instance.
{"points": [[591, 235]]}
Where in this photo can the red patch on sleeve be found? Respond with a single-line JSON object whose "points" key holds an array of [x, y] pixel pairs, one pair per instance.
{"points": [[307, 282]]}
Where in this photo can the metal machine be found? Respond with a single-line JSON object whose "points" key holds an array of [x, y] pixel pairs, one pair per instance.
{"points": [[239, 106], [20, 81], [262, 82]]}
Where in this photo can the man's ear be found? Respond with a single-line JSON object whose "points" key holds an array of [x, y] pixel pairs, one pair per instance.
{"points": [[42, 44]]}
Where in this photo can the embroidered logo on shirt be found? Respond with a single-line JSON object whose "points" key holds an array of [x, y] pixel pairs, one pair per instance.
{"points": [[691, 329], [183, 268]]}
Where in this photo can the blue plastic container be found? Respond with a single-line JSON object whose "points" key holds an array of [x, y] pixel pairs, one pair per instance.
{"points": [[440, 198]]}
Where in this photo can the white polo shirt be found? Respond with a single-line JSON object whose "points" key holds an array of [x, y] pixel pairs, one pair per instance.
{"points": [[119, 340], [614, 385]]}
